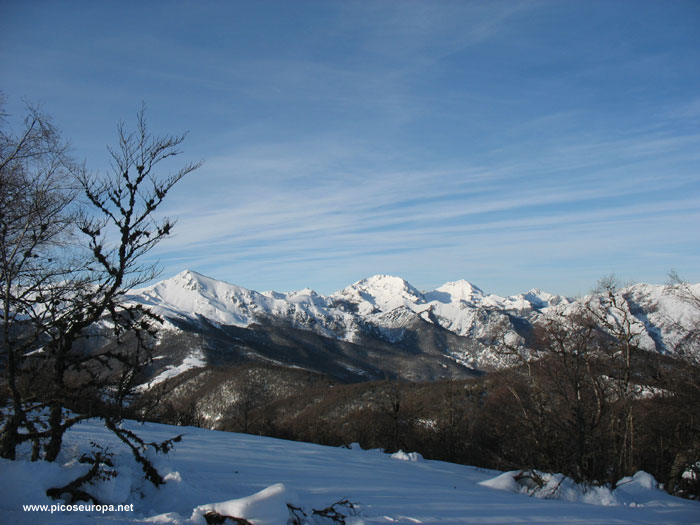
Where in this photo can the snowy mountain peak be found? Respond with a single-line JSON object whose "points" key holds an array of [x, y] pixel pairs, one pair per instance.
{"points": [[190, 294], [191, 280], [186, 279], [539, 299], [303, 292], [389, 284], [305, 296], [381, 293], [456, 291]]}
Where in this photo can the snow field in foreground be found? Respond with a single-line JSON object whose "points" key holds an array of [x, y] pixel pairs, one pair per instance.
{"points": [[255, 477]]}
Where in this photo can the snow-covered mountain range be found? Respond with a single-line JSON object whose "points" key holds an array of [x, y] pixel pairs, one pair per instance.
{"points": [[375, 326], [383, 301]]}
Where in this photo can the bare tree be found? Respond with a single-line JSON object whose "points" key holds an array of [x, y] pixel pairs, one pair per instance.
{"points": [[682, 401], [253, 395], [116, 226], [36, 219], [561, 397], [397, 415], [688, 348], [609, 307]]}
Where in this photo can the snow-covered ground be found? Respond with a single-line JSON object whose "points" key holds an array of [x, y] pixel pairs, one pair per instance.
{"points": [[219, 470]]}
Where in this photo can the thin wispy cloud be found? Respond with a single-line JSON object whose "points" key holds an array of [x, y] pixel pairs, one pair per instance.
{"points": [[514, 144], [468, 214]]}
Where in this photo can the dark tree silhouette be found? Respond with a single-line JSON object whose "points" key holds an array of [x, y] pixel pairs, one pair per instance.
{"points": [[75, 290]]}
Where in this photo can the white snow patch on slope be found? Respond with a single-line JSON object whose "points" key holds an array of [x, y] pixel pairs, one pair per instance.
{"points": [[196, 359]]}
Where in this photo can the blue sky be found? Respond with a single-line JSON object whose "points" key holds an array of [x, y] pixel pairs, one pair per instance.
{"points": [[513, 144]]}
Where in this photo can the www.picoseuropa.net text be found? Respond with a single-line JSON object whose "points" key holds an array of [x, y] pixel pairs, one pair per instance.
{"points": [[86, 507]]}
